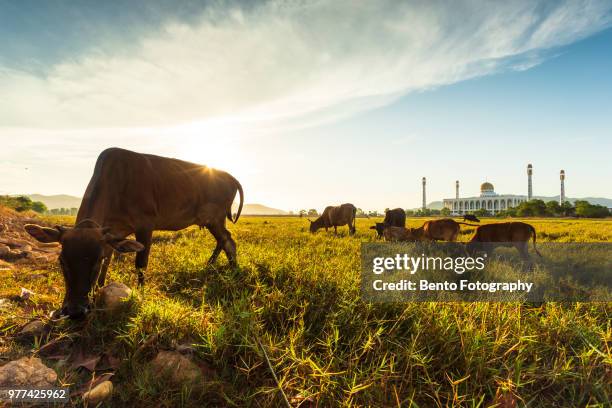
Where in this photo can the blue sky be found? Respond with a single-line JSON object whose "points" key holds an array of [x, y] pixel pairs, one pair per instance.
{"points": [[310, 104]]}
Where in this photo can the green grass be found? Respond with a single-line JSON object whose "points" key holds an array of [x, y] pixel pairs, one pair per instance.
{"points": [[299, 294]]}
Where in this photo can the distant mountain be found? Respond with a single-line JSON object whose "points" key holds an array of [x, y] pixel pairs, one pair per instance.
{"points": [[57, 201], [68, 201], [435, 205], [258, 209], [606, 202]]}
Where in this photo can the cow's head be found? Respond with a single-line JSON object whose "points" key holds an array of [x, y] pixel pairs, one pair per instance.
{"points": [[83, 249], [379, 227], [315, 225]]}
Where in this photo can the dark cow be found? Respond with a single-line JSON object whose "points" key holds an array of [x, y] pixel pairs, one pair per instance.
{"points": [[336, 217], [445, 229], [516, 234], [470, 217], [134, 193], [402, 234], [393, 218]]}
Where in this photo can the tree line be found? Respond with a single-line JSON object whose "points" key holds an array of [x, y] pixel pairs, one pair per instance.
{"points": [[532, 208], [535, 208], [23, 203]]}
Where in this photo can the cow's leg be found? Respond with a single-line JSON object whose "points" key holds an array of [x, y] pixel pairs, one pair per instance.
{"points": [[142, 257], [220, 238], [524, 252], [224, 242], [216, 251], [335, 230]]}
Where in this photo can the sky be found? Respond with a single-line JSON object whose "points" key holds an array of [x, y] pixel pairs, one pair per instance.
{"points": [[312, 103]]}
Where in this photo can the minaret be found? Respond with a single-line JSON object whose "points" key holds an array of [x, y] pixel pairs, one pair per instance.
{"points": [[529, 189], [457, 189], [562, 195], [424, 198]]}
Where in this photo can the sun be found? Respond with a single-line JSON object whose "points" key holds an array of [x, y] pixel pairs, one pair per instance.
{"points": [[211, 143]]}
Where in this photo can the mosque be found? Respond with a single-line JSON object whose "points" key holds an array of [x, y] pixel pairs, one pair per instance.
{"points": [[489, 199]]}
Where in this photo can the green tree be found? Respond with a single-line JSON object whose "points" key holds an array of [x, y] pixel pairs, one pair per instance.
{"points": [[445, 212], [588, 210], [39, 207], [532, 208], [23, 203], [482, 212], [313, 212], [553, 208], [567, 209]]}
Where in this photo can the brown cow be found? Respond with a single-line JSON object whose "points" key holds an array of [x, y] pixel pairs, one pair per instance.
{"points": [[516, 234], [393, 218], [445, 229], [138, 193], [401, 234], [336, 217]]}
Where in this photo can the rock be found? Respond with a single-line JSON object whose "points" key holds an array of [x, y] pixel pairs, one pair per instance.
{"points": [[99, 393], [177, 367], [4, 250], [26, 294], [27, 372], [34, 328], [113, 295]]}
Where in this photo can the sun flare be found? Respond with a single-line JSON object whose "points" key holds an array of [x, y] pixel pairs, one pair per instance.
{"points": [[211, 143]]}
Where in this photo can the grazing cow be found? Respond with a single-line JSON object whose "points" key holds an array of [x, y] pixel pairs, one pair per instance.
{"points": [[445, 229], [516, 234], [393, 218], [336, 217], [138, 193], [470, 217], [401, 234]]}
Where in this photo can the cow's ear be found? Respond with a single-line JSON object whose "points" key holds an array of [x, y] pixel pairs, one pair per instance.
{"points": [[44, 234], [123, 245], [373, 227]]}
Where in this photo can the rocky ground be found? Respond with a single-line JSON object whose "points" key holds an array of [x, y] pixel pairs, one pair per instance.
{"points": [[48, 352], [17, 246]]}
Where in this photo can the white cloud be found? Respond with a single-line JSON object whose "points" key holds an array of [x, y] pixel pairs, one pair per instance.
{"points": [[311, 61]]}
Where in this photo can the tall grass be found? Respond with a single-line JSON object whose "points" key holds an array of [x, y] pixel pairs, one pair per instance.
{"points": [[299, 295]]}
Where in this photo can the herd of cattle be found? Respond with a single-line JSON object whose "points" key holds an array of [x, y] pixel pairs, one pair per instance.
{"points": [[393, 228], [136, 193]]}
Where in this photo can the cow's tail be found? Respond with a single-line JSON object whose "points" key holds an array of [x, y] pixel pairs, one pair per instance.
{"points": [[354, 218], [533, 233], [471, 225], [229, 212]]}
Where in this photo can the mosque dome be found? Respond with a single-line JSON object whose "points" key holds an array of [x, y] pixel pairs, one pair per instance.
{"points": [[486, 187]]}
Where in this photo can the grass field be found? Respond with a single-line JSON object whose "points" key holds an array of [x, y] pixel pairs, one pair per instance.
{"points": [[299, 294]]}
